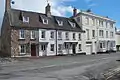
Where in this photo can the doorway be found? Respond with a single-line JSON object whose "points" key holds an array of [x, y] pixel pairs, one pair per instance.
{"points": [[74, 48], [44, 49], [33, 50]]}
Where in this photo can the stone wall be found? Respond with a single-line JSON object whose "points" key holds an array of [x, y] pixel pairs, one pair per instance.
{"points": [[15, 42]]}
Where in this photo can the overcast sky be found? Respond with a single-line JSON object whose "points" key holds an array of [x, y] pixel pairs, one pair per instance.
{"points": [[109, 8]]}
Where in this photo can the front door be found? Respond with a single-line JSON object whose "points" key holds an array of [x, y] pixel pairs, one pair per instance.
{"points": [[33, 50], [74, 48], [88, 49], [44, 48]]}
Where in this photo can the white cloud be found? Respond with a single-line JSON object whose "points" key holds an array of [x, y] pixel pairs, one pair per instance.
{"points": [[92, 5], [58, 7]]}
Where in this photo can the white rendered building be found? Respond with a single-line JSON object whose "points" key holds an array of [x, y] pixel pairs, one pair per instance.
{"points": [[99, 31]]}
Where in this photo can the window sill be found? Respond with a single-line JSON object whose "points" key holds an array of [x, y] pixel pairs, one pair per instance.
{"points": [[74, 39], [67, 39], [60, 51], [59, 39], [21, 39], [101, 36], [33, 39], [43, 39], [52, 39], [22, 54], [79, 50], [52, 51]]}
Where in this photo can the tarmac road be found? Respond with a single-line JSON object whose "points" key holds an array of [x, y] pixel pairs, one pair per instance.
{"points": [[80, 67]]}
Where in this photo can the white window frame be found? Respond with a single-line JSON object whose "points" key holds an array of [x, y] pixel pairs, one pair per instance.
{"points": [[67, 35], [102, 45], [74, 36], [43, 34], [87, 33], [44, 21], [33, 33], [79, 47], [111, 25], [60, 47], [78, 19], [106, 34], [52, 47], [93, 33], [59, 35], [52, 35], [79, 36], [101, 33], [87, 20], [25, 19], [93, 21], [20, 49], [72, 24], [60, 23], [111, 34], [21, 34], [106, 24]]}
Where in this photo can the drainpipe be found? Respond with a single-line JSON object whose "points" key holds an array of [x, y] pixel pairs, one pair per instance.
{"points": [[56, 42]]}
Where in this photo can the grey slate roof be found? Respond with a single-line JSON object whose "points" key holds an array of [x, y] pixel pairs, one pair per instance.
{"points": [[35, 21]]}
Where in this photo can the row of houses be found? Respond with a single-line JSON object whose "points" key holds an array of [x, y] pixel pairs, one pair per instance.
{"points": [[26, 33]]}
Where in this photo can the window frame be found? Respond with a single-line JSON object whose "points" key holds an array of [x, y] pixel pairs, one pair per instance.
{"points": [[101, 33], [21, 34], [79, 36], [22, 49], [74, 36], [67, 35], [106, 34], [33, 34], [87, 33], [43, 36], [60, 47], [52, 47], [60, 23], [87, 20], [79, 47], [59, 35], [45, 21], [78, 19], [93, 33], [52, 35], [25, 19]]}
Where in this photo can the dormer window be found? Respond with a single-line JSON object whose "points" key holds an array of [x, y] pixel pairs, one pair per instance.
{"points": [[25, 19], [45, 21], [72, 24], [60, 23]]}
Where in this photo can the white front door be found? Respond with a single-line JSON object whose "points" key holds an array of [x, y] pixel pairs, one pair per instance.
{"points": [[88, 49], [44, 49]]}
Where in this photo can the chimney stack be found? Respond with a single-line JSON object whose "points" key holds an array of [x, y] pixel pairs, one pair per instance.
{"points": [[48, 10], [7, 5], [74, 11]]}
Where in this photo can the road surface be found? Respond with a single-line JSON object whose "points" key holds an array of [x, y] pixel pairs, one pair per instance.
{"points": [[80, 67]]}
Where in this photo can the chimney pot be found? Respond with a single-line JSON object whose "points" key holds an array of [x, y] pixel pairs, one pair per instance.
{"points": [[74, 11]]}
